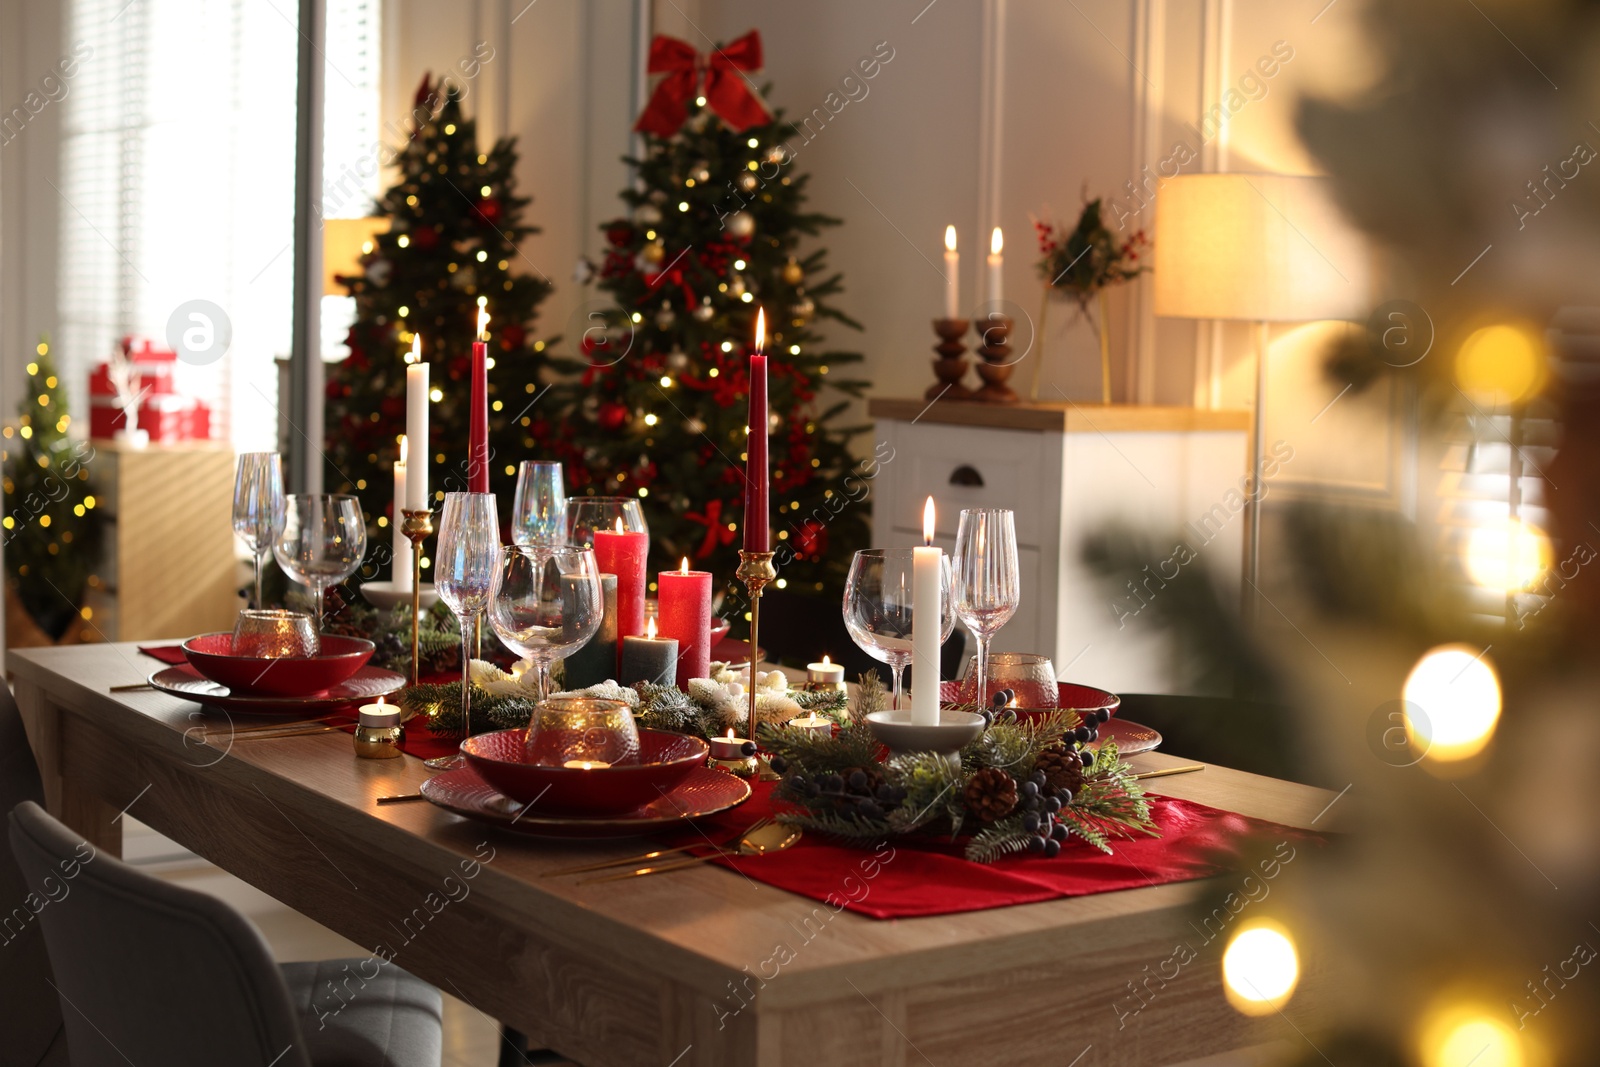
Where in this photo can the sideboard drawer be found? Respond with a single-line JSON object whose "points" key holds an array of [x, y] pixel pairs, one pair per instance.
{"points": [[969, 468]]}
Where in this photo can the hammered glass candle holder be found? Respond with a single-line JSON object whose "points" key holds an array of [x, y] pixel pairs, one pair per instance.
{"points": [[582, 732], [274, 633]]}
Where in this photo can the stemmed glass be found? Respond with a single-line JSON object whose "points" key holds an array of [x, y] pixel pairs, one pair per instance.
{"points": [[987, 584], [539, 513], [323, 542], [586, 514], [466, 564], [259, 510], [878, 608], [546, 604]]}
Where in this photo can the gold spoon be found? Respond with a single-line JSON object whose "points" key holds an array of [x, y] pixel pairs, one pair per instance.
{"points": [[646, 857], [774, 837]]}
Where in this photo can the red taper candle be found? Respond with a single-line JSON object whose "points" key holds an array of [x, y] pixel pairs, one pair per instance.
{"points": [[685, 614], [756, 475], [478, 428]]}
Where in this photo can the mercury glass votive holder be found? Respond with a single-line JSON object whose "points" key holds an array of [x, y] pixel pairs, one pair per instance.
{"points": [[273, 633], [588, 732]]}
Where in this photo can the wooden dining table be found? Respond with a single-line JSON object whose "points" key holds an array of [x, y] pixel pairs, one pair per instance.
{"points": [[674, 969]]}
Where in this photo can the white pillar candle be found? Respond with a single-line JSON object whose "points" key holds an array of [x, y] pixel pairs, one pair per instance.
{"points": [[401, 575], [927, 619], [996, 289], [952, 275], [417, 429]]}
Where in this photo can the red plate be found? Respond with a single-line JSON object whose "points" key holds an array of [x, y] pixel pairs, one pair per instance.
{"points": [[665, 759], [704, 792], [1130, 737], [212, 655], [1069, 695], [365, 686]]}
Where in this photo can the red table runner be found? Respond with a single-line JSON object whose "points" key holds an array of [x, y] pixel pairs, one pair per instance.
{"points": [[903, 880]]}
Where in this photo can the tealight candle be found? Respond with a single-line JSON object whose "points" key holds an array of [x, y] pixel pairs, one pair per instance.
{"points": [[732, 748], [378, 730], [814, 723], [586, 764], [827, 671]]}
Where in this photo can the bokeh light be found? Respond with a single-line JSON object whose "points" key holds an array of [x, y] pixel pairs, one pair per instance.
{"points": [[1501, 364], [1467, 1036], [1508, 556], [1260, 968], [1458, 695]]}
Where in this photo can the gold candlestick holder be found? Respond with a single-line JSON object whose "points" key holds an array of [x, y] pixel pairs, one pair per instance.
{"points": [[417, 526], [756, 571]]}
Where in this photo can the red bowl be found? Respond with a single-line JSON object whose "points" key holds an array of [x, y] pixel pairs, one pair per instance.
{"points": [[665, 760], [1070, 696], [212, 655]]}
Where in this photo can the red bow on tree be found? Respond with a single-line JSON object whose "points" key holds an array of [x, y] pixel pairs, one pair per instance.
{"points": [[717, 531], [725, 91]]}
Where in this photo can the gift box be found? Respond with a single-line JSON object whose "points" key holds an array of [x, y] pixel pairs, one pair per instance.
{"points": [[167, 414]]}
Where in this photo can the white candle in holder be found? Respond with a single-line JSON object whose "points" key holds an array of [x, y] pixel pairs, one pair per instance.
{"points": [[995, 262], [952, 275], [416, 497], [401, 576], [928, 613]]}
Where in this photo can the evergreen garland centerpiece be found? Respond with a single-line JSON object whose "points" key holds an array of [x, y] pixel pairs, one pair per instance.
{"points": [[1022, 785], [52, 531], [656, 405], [455, 227]]}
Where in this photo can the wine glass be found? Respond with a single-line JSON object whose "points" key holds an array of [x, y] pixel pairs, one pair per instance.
{"points": [[988, 586], [259, 510], [539, 513], [546, 604], [466, 562], [323, 541], [878, 608], [586, 514]]}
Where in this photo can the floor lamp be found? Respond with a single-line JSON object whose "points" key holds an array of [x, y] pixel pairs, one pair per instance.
{"points": [[1258, 248]]}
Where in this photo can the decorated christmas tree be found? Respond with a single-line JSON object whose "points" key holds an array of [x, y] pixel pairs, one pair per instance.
{"points": [[456, 222], [655, 407], [52, 533]]}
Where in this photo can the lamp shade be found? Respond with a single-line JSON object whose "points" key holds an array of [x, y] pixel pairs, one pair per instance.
{"points": [[1257, 247], [344, 242]]}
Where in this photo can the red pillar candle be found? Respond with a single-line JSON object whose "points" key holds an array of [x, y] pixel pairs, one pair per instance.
{"points": [[756, 475], [685, 614], [622, 552], [478, 430]]}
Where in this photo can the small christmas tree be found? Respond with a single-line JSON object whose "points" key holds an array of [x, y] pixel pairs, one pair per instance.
{"points": [[656, 407], [455, 227], [52, 533]]}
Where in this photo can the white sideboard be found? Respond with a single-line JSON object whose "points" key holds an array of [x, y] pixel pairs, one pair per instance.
{"points": [[1067, 471]]}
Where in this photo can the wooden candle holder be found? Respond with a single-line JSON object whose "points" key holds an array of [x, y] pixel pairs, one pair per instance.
{"points": [[951, 366], [996, 366]]}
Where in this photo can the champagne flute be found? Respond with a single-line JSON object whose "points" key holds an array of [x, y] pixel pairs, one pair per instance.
{"points": [[988, 586], [466, 563], [539, 513], [546, 604], [259, 509], [879, 609], [323, 542]]}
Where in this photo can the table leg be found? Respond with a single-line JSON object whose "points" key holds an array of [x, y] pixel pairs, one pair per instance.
{"points": [[68, 799]]}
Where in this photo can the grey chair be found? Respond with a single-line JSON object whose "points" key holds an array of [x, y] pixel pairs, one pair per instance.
{"points": [[31, 1034], [153, 973]]}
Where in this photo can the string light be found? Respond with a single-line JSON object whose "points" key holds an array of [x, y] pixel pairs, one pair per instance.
{"points": [[1260, 968], [666, 383], [404, 241], [1451, 703]]}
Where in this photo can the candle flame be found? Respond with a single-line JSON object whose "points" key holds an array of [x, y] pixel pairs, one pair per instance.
{"points": [[416, 348], [729, 734], [380, 702], [826, 662], [483, 324], [619, 524], [927, 522], [402, 449], [996, 242], [684, 568], [761, 329], [650, 628], [950, 238]]}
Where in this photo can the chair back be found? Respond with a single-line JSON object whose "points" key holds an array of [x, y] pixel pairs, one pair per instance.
{"points": [[150, 972], [30, 1025]]}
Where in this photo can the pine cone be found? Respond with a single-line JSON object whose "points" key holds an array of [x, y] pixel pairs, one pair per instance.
{"points": [[1062, 767], [992, 793]]}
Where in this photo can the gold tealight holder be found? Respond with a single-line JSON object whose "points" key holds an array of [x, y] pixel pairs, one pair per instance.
{"points": [[417, 526]]}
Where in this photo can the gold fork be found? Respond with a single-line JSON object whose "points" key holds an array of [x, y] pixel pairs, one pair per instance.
{"points": [[757, 841], [648, 856]]}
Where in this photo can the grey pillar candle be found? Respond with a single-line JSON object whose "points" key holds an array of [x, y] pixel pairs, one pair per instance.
{"points": [[596, 661], [649, 658]]}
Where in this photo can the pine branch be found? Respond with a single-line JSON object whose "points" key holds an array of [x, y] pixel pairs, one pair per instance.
{"points": [[998, 840]]}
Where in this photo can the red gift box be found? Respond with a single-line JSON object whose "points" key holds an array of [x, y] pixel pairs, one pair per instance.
{"points": [[167, 415]]}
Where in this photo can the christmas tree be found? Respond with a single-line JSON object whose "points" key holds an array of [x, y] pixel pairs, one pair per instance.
{"points": [[455, 227], [656, 407], [52, 533]]}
